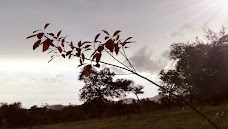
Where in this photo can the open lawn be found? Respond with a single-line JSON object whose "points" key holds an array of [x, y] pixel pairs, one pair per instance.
{"points": [[179, 119]]}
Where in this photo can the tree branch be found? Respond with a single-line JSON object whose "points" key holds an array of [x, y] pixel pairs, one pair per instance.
{"points": [[212, 123]]}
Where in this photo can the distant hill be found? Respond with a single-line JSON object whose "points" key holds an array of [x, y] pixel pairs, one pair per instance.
{"points": [[126, 101], [130, 100], [156, 98]]}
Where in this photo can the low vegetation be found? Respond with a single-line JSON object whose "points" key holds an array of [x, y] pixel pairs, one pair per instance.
{"points": [[178, 119]]}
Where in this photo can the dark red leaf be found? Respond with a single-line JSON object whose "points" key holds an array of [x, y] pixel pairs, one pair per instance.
{"points": [[51, 34], [97, 65], [96, 37], [36, 44], [60, 38], [40, 35], [31, 36], [117, 48], [97, 56], [88, 67], [87, 70], [85, 42], [58, 34], [80, 61], [35, 31], [100, 48], [79, 50], [105, 32], [63, 40], [70, 56], [116, 33], [87, 46], [79, 66], [68, 53], [60, 49], [78, 54], [45, 47], [124, 43], [117, 37], [83, 57], [79, 44], [46, 44], [128, 39], [110, 45], [88, 49], [46, 25], [106, 37], [71, 45]]}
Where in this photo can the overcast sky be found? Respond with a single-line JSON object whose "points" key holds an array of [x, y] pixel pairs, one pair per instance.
{"points": [[26, 75]]}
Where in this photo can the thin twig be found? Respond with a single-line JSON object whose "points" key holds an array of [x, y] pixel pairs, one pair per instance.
{"points": [[125, 55], [116, 59]]}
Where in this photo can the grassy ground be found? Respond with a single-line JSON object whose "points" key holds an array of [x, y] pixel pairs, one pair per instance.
{"points": [[180, 119]]}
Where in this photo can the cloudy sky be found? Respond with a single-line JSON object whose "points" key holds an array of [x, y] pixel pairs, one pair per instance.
{"points": [[26, 75]]}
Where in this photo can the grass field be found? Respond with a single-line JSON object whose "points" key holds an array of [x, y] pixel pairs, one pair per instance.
{"points": [[179, 119]]}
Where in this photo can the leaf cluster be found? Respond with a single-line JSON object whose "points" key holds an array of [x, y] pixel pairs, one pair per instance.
{"points": [[58, 46]]}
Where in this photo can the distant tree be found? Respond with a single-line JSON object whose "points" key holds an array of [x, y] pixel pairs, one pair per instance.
{"points": [[112, 45], [101, 86], [173, 81], [129, 86]]}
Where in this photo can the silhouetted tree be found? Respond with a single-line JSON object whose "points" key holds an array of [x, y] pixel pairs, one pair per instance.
{"points": [[129, 86], [100, 87], [201, 69]]}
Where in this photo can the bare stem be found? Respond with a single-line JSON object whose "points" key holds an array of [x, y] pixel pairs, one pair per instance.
{"points": [[117, 60], [125, 55]]}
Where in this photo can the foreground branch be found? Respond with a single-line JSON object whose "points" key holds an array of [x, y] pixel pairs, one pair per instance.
{"points": [[193, 108]]}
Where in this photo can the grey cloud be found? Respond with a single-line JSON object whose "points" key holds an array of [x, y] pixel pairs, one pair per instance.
{"points": [[176, 34], [165, 54], [187, 26], [184, 28], [143, 62]]}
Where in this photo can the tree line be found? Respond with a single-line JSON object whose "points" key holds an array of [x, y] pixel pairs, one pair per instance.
{"points": [[14, 116]]}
